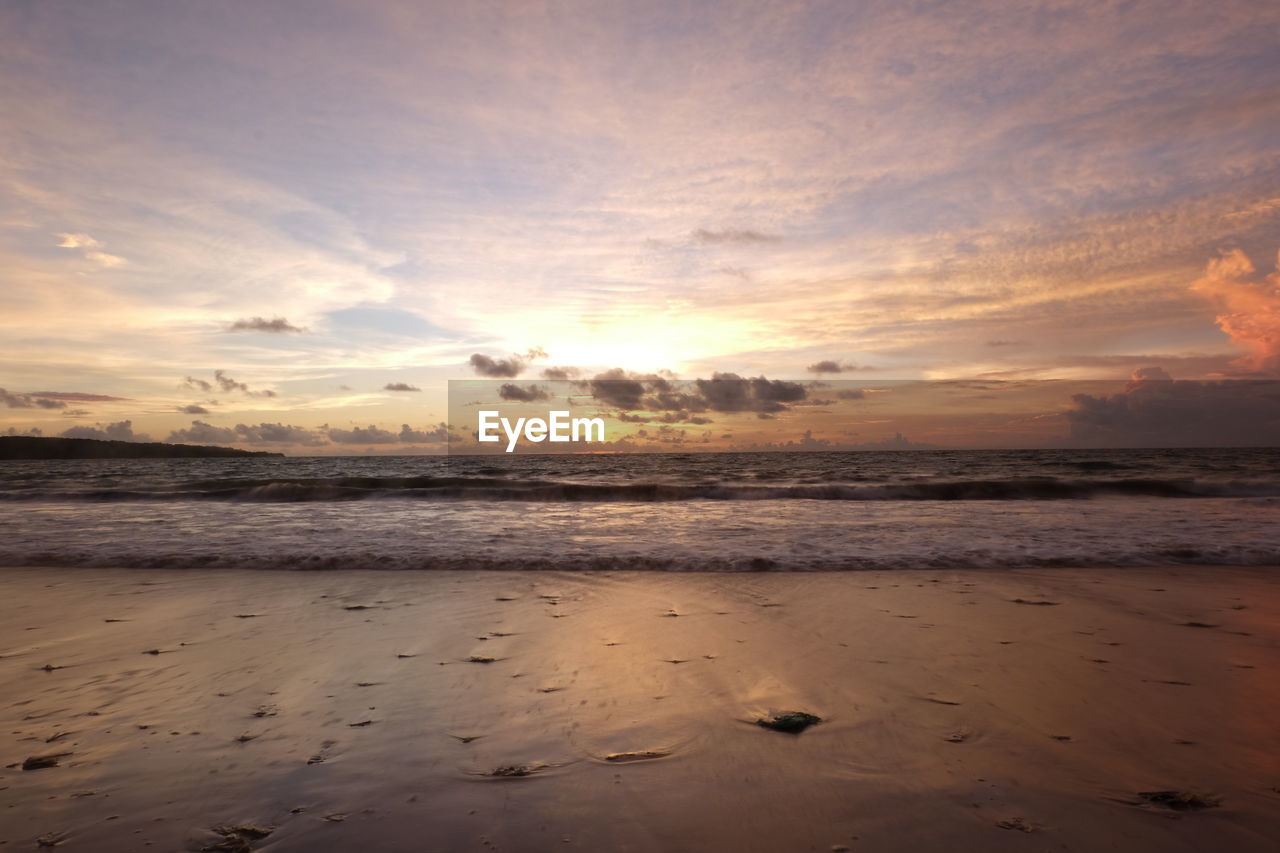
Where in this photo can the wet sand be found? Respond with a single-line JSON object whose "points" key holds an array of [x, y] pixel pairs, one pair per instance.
{"points": [[1085, 710]]}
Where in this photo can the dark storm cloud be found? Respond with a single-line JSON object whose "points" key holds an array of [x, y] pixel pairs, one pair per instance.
{"points": [[274, 326], [1155, 411], [515, 394]]}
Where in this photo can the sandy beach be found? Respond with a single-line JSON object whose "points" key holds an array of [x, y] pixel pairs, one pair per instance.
{"points": [[1036, 710]]}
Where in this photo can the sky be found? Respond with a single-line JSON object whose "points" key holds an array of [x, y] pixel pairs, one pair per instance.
{"points": [[289, 225]]}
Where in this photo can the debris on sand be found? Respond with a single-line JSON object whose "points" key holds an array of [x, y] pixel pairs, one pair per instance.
{"points": [[1199, 625], [246, 737], [367, 683], [336, 817], [406, 655], [237, 839], [466, 738], [357, 607], [516, 770], [248, 615], [480, 659], [1040, 603], [939, 701], [266, 711], [638, 755], [360, 724], [1016, 823], [51, 668], [1179, 801], [959, 736], [791, 722], [152, 652], [51, 839], [1061, 738], [41, 762]]}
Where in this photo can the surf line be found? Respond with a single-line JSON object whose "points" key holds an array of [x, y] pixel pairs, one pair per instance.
{"points": [[558, 426]]}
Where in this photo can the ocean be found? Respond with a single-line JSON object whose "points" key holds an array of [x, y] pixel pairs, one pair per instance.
{"points": [[668, 512]]}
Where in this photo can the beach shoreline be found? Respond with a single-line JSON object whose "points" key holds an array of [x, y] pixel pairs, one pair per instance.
{"points": [[455, 710]]}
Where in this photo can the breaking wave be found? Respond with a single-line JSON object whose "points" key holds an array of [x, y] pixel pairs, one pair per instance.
{"points": [[542, 491]]}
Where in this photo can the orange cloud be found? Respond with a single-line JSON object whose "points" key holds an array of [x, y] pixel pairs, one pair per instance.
{"points": [[1249, 308]]}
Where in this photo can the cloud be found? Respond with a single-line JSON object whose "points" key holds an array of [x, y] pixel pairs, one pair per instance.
{"points": [[203, 433], [399, 386], [193, 409], [118, 431], [1154, 411], [225, 383], [91, 249], [1151, 374], [78, 241], [363, 435], [504, 368], [258, 434], [78, 397], [616, 388], [437, 435], [1249, 306], [728, 392], [274, 326], [30, 401], [829, 366], [515, 394], [560, 373], [731, 235], [46, 398], [265, 433]]}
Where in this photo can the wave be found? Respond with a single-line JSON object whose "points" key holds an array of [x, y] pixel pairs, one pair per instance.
{"points": [[123, 557], [499, 489]]}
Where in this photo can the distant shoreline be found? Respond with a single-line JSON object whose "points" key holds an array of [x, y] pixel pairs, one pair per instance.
{"points": [[22, 447]]}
